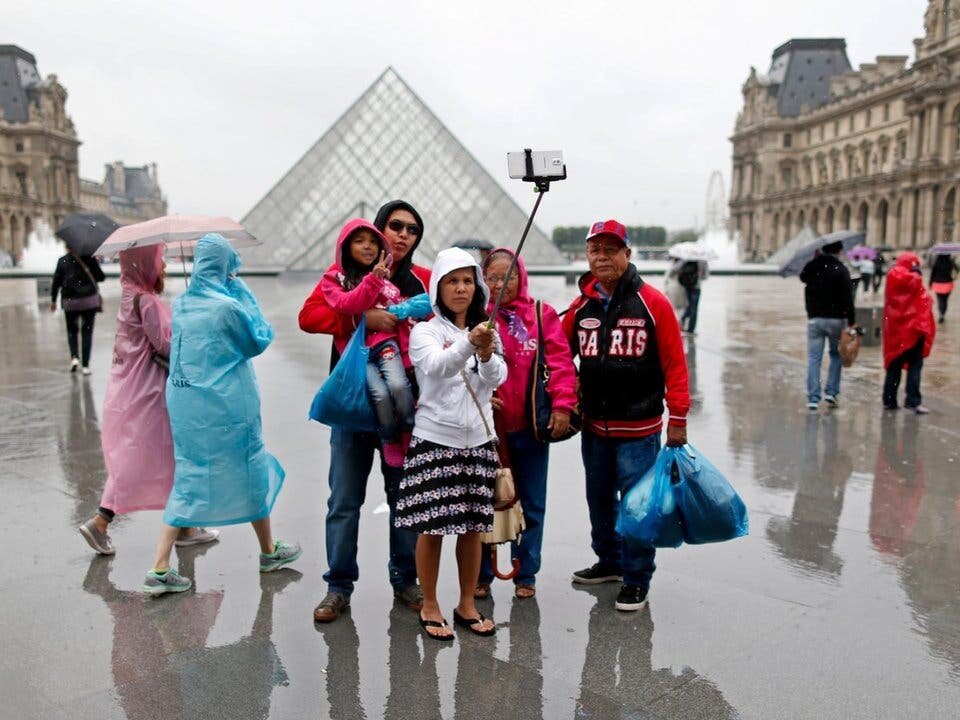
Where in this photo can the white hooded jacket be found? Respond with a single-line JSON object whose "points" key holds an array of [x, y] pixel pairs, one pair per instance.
{"points": [[439, 350]]}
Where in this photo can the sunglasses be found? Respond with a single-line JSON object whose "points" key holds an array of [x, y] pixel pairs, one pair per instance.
{"points": [[399, 226]]}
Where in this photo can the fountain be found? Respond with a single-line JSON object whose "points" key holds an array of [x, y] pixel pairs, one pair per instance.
{"points": [[715, 234], [42, 251]]}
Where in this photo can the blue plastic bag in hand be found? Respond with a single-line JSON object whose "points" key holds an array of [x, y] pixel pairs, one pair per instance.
{"points": [[710, 509], [648, 514], [342, 399]]}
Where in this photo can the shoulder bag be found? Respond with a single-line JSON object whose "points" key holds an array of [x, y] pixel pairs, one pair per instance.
{"points": [[87, 302], [541, 404]]}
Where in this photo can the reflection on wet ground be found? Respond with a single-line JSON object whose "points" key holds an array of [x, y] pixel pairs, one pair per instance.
{"points": [[843, 602]]}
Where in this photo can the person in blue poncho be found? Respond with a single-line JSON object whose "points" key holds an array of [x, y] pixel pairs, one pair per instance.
{"points": [[224, 475]]}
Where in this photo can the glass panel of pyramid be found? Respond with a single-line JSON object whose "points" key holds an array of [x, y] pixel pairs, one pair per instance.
{"points": [[388, 145]]}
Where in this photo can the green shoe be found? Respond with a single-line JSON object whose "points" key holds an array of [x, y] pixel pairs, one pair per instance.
{"points": [[283, 554], [156, 584]]}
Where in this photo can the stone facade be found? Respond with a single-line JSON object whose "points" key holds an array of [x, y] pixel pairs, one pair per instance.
{"points": [[38, 150], [39, 178], [127, 194], [877, 149]]}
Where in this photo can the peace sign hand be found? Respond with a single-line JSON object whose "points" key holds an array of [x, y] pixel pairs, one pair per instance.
{"points": [[382, 268]]}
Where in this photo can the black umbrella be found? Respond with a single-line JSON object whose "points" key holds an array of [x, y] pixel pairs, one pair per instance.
{"points": [[84, 233], [848, 238], [473, 244]]}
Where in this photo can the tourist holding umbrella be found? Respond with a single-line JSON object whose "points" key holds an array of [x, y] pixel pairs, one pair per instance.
{"points": [[76, 278]]}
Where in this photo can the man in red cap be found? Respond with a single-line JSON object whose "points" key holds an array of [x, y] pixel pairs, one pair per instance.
{"points": [[631, 361]]}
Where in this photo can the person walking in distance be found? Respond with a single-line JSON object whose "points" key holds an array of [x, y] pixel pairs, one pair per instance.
{"points": [[631, 361], [942, 274], [75, 279], [828, 297]]}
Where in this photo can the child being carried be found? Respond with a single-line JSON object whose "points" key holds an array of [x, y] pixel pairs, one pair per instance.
{"points": [[358, 282]]}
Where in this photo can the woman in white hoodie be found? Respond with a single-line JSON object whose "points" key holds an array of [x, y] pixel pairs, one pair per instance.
{"points": [[448, 473]]}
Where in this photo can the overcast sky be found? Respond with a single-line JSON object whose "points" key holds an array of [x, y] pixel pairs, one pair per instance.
{"points": [[640, 96]]}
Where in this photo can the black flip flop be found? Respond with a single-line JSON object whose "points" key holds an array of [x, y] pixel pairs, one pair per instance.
{"points": [[461, 621], [433, 623]]}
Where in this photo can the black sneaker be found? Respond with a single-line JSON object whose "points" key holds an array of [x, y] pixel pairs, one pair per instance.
{"points": [[596, 574], [631, 598]]}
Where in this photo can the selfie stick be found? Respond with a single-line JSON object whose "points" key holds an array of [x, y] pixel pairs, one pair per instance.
{"points": [[543, 185]]}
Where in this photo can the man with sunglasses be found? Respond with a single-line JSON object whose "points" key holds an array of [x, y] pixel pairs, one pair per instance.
{"points": [[631, 361], [351, 453]]}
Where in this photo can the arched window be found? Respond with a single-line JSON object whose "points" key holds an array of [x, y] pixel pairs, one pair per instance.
{"points": [[845, 218], [829, 227]]}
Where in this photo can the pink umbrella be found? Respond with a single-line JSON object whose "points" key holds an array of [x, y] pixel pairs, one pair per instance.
{"points": [[178, 232], [862, 251], [947, 248]]}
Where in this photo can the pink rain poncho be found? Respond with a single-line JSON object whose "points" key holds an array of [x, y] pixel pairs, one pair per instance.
{"points": [[136, 439]]}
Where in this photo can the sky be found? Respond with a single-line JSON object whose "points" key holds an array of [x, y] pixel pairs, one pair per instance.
{"points": [[640, 96]]}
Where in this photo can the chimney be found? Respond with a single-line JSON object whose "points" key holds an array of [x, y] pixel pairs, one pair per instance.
{"points": [[118, 181]]}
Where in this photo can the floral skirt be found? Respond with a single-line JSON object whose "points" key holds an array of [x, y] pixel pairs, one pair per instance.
{"points": [[446, 491]]}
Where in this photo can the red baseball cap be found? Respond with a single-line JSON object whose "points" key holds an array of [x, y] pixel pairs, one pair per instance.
{"points": [[610, 228]]}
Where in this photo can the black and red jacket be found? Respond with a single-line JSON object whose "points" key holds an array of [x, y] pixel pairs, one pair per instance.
{"points": [[631, 358]]}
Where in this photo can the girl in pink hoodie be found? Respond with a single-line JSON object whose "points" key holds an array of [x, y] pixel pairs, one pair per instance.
{"points": [[517, 327], [356, 283]]}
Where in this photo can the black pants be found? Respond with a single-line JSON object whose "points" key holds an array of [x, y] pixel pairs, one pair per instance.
{"points": [[942, 299], [913, 357], [86, 318]]}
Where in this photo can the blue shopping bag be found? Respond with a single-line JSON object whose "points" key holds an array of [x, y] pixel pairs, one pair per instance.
{"points": [[648, 514], [709, 507], [342, 400]]}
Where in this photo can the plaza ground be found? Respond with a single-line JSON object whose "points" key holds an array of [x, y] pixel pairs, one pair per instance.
{"points": [[843, 602]]}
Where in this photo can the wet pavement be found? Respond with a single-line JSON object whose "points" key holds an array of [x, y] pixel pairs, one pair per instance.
{"points": [[844, 601]]}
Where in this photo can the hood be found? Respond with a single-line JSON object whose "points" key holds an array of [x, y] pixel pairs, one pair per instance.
{"points": [[349, 229], [523, 291], [140, 267], [908, 260], [403, 266], [447, 261], [214, 260]]}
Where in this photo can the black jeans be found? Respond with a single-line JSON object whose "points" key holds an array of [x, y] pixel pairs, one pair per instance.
{"points": [[914, 358], [690, 314], [86, 318], [942, 299]]}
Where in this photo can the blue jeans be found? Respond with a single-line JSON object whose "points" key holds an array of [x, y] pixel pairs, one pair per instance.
{"points": [[390, 391], [913, 358], [819, 330], [351, 459], [612, 466], [529, 460], [690, 313]]}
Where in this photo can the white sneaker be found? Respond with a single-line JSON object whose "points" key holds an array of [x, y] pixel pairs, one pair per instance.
{"points": [[199, 536], [86, 371], [74, 365]]}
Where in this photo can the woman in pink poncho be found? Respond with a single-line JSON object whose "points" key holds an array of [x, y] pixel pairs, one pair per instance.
{"points": [[135, 434]]}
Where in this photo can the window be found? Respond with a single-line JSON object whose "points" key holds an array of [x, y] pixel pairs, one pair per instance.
{"points": [[787, 140], [19, 146], [869, 116], [22, 181], [903, 149], [836, 128], [821, 132], [786, 177], [850, 124], [808, 136], [886, 112]]}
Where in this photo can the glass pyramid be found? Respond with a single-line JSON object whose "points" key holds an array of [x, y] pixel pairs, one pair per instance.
{"points": [[387, 145]]}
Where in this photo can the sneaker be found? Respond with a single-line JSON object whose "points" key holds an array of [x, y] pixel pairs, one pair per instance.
{"points": [[74, 365], [921, 410], [159, 584], [631, 598], [331, 607], [411, 596], [86, 371], [596, 574], [812, 406], [283, 554], [99, 541], [831, 401], [198, 537]]}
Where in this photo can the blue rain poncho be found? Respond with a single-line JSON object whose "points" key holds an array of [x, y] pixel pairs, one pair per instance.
{"points": [[223, 475]]}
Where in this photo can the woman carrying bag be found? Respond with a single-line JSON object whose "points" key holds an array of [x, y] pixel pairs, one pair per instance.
{"points": [[448, 474], [530, 332], [75, 279]]}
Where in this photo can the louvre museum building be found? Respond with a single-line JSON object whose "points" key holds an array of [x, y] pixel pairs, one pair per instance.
{"points": [[875, 149]]}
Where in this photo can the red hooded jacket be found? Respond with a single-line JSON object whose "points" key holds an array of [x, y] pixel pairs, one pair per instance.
{"points": [[521, 354], [907, 310]]}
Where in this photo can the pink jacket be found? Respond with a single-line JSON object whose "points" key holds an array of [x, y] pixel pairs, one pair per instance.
{"points": [[135, 433], [371, 292], [521, 355]]}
